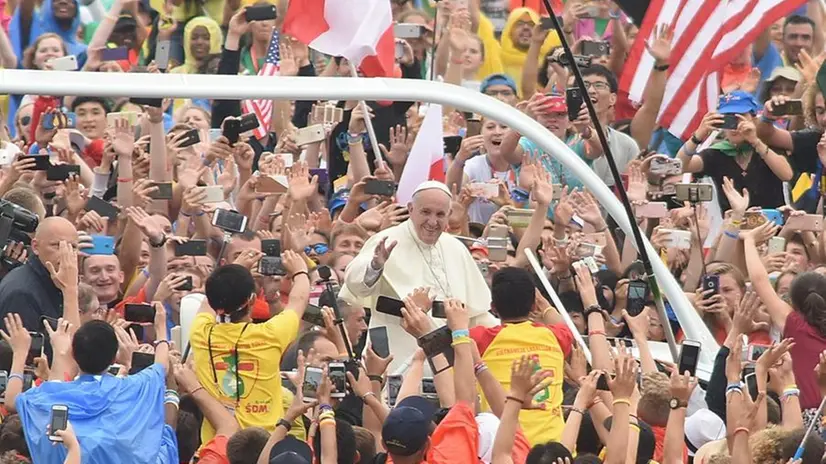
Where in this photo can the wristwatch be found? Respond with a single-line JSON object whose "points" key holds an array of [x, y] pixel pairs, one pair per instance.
{"points": [[677, 404], [159, 244], [283, 423]]}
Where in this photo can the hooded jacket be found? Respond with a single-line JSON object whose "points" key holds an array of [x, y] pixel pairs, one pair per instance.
{"points": [[513, 59]]}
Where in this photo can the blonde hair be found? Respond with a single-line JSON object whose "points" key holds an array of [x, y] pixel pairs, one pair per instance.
{"points": [[654, 406]]}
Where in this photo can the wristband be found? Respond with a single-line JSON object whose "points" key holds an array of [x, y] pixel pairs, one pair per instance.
{"points": [[375, 378], [327, 415], [513, 398], [283, 423], [624, 401], [577, 410], [662, 67], [325, 407], [601, 230], [734, 390], [766, 119], [460, 341], [123, 180], [364, 397], [17, 376], [596, 332], [733, 385], [460, 333], [299, 273], [790, 387], [193, 392], [595, 308], [696, 140], [740, 429], [634, 427], [158, 342], [170, 392], [479, 367], [729, 234]]}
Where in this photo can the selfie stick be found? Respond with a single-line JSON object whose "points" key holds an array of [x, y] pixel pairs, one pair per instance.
{"points": [[646, 261], [328, 283], [368, 123], [799, 453], [558, 303]]}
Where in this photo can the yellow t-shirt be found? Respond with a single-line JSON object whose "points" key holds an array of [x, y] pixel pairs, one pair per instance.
{"points": [[501, 345], [248, 385]]}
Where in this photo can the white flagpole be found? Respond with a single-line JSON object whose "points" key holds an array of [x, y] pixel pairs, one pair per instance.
{"points": [[558, 303], [369, 124]]}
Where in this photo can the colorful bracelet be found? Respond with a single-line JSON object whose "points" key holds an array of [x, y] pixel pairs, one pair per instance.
{"points": [[736, 222], [460, 341], [460, 333], [596, 332], [634, 427], [479, 368], [324, 407], [789, 393], [790, 387]]}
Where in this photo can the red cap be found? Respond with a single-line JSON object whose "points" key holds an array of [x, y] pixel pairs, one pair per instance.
{"points": [[554, 104]]}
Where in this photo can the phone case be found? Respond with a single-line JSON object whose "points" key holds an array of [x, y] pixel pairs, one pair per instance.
{"points": [[164, 191], [191, 248], [806, 223], [271, 184], [390, 306], [484, 190], [383, 188], [653, 209], [271, 247], [214, 194], [114, 54], [260, 13], [65, 63], [520, 218], [310, 134], [102, 207], [102, 245], [777, 245], [162, 54], [407, 31]]}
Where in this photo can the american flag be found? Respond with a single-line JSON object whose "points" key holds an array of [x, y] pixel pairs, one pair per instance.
{"points": [[708, 34], [263, 108]]}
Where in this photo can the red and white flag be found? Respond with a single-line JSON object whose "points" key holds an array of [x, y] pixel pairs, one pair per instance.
{"points": [[263, 107], [427, 156], [708, 34], [359, 30]]}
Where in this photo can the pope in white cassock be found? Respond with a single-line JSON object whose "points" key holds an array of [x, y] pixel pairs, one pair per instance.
{"points": [[416, 253]]}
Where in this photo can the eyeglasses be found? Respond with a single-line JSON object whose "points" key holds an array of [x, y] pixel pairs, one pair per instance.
{"points": [[597, 85], [319, 248], [503, 92]]}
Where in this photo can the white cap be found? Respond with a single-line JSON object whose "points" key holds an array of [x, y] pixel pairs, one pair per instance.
{"points": [[703, 427], [432, 185]]}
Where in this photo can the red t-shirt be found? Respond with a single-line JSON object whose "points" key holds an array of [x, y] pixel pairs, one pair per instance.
{"points": [[215, 451], [808, 344]]}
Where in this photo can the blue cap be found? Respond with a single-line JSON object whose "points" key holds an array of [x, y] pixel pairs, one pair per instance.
{"points": [[338, 200], [291, 450], [738, 102], [497, 79], [407, 427]]}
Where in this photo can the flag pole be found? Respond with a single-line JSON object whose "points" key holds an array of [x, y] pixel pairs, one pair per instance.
{"points": [[368, 123], [612, 164]]}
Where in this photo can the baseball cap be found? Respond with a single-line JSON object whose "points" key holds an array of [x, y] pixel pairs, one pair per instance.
{"points": [[703, 427], [555, 104], [786, 72], [291, 450], [497, 79], [737, 102], [407, 427], [338, 200]]}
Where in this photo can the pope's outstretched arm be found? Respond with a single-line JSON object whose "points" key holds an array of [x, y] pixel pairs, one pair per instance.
{"points": [[367, 267]]}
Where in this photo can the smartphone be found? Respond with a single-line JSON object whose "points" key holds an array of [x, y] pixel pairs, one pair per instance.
{"points": [[28, 380], [130, 116], [141, 361], [693, 192], [595, 48], [102, 245], [214, 134], [41, 162], [452, 143], [214, 194], [310, 134], [398, 49], [114, 369], [59, 121], [271, 247], [665, 166], [338, 377], [8, 154], [789, 108], [473, 127], [4, 382], [59, 421], [312, 315], [438, 310], [394, 385], [322, 174], [164, 191], [484, 190], [751, 385], [162, 54], [547, 24], [602, 382], [805, 223], [384, 188], [679, 239], [711, 282], [574, 100], [754, 352], [730, 122], [142, 313], [653, 209], [436, 342], [689, 357], [753, 219], [588, 249], [408, 31], [312, 380], [186, 285], [428, 387], [777, 245], [114, 54], [248, 122], [50, 320], [102, 207], [153, 102], [36, 348], [391, 306], [191, 248], [189, 138], [62, 172], [484, 268], [773, 215], [229, 221], [65, 63], [637, 296], [379, 341], [271, 266], [260, 13]]}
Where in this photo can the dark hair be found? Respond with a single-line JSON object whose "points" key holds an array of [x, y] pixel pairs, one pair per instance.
{"points": [[289, 360], [512, 293], [6, 355], [548, 453], [808, 295], [365, 444], [188, 433], [587, 459], [798, 19], [94, 347], [11, 436], [107, 107], [812, 451], [345, 443], [228, 288], [245, 445], [600, 70], [798, 240]]}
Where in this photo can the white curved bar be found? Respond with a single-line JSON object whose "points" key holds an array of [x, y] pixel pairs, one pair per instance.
{"points": [[322, 88]]}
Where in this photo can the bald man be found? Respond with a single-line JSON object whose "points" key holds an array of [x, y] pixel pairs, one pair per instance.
{"points": [[28, 290], [417, 253]]}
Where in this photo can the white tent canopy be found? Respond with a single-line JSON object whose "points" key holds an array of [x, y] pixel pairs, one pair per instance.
{"points": [[320, 88]]}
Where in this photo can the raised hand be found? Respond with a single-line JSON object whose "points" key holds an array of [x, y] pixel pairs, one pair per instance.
{"points": [[123, 138], [458, 316], [143, 221], [66, 276], [682, 385], [739, 202], [382, 253], [526, 381], [660, 47], [625, 366], [761, 233], [16, 335]]}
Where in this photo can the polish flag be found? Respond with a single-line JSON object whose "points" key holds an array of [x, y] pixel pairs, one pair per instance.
{"points": [[427, 157], [359, 30]]}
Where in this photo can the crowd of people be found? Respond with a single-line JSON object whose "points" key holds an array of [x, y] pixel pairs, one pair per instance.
{"points": [[181, 283]]}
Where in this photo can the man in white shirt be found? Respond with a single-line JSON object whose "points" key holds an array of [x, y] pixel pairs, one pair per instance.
{"points": [[413, 254]]}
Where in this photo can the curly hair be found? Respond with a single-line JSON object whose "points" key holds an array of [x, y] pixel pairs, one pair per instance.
{"points": [[808, 295], [28, 53]]}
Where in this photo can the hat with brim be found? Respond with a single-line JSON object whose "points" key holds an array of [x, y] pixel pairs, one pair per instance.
{"points": [[786, 72], [738, 102], [291, 450]]}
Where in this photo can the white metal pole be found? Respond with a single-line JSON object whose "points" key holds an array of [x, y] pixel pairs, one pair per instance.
{"points": [[368, 122]]}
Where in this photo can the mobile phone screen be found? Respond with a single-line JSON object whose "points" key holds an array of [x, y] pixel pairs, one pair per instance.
{"points": [[312, 379], [689, 357], [379, 341], [59, 421]]}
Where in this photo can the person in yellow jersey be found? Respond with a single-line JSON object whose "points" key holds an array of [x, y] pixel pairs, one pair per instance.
{"points": [[236, 361], [516, 40], [513, 297]]}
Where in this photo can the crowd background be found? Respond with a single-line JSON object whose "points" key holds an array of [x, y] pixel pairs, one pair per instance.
{"points": [[192, 285]]}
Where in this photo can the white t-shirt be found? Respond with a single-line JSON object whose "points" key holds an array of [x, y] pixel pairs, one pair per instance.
{"points": [[477, 169], [624, 148]]}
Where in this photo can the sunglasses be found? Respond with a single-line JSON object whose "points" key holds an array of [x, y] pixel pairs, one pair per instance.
{"points": [[318, 248]]}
